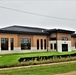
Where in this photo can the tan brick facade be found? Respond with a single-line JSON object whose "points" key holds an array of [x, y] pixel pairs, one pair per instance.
{"points": [[17, 37], [73, 41], [9, 36], [59, 40], [60, 35]]}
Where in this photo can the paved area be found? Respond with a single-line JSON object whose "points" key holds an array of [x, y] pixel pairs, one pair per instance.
{"points": [[69, 73], [36, 65]]}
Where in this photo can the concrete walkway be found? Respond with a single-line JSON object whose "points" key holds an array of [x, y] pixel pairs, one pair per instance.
{"points": [[69, 73], [36, 65]]}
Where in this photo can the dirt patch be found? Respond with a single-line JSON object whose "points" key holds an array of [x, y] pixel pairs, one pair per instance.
{"points": [[69, 73]]}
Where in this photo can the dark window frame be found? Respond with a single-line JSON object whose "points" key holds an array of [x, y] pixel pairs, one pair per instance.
{"points": [[41, 43], [12, 43], [51, 46], [64, 38], [75, 44], [53, 38], [37, 44], [55, 46], [44, 43], [4, 43], [25, 43]]}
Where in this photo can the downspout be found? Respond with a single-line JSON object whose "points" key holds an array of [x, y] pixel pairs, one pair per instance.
{"points": [[56, 41], [47, 43]]}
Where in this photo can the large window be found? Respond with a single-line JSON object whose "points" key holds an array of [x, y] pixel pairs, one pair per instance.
{"points": [[75, 44], [4, 43], [12, 43], [44, 43], [51, 46], [25, 44], [55, 46], [54, 38], [41, 44], [64, 38], [37, 43]]}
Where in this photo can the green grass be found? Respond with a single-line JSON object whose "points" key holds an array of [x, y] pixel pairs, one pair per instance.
{"points": [[41, 70], [7, 59]]}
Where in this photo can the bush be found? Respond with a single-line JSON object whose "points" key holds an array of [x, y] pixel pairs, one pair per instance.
{"points": [[42, 60], [38, 58], [36, 62]]}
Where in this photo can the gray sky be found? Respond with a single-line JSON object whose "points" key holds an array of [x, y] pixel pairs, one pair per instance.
{"points": [[56, 8]]}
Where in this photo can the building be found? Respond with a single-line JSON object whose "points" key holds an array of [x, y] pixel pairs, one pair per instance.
{"points": [[20, 39]]}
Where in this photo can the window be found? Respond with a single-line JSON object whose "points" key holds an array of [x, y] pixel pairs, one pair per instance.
{"points": [[37, 43], [53, 38], [12, 43], [44, 43], [4, 43], [75, 44], [64, 38], [41, 44], [25, 44], [55, 46], [51, 46]]}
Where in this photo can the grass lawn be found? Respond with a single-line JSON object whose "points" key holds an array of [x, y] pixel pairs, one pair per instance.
{"points": [[41, 70], [7, 59]]}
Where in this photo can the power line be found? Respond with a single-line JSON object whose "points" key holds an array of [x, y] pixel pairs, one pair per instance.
{"points": [[37, 14]]}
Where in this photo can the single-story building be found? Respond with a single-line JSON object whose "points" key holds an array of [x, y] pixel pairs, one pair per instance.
{"points": [[20, 39]]}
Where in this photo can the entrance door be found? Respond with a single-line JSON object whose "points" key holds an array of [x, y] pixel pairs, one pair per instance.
{"points": [[64, 47]]}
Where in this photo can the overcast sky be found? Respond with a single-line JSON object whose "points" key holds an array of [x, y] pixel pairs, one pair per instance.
{"points": [[57, 8]]}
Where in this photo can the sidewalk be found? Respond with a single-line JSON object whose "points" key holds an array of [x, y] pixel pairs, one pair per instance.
{"points": [[69, 73], [36, 65]]}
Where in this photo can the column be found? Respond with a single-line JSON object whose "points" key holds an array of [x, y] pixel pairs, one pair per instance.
{"points": [[53, 46], [9, 44]]}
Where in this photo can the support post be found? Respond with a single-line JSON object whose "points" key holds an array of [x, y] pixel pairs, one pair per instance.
{"points": [[56, 40]]}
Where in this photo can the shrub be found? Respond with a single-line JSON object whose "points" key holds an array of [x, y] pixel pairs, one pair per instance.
{"points": [[39, 58]]}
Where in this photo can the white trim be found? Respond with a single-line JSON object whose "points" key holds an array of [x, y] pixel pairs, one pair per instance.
{"points": [[17, 48], [0, 48], [9, 48], [73, 48], [52, 41], [59, 45]]}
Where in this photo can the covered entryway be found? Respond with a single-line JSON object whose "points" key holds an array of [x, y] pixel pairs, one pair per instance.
{"points": [[64, 47]]}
